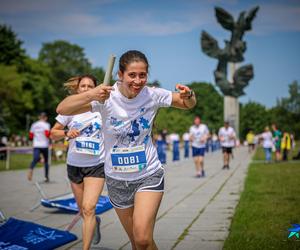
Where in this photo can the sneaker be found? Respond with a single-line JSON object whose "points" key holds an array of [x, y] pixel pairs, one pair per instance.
{"points": [[224, 167], [46, 180], [97, 233]]}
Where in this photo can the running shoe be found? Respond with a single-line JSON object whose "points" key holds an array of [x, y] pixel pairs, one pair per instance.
{"points": [[97, 233]]}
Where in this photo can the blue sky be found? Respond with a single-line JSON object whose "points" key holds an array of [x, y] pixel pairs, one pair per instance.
{"points": [[168, 32]]}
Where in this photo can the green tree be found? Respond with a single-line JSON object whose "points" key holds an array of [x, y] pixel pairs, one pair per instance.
{"points": [[286, 114], [174, 120], [65, 60], [292, 103], [11, 52], [12, 99], [253, 116], [42, 92], [209, 104], [99, 73], [209, 107]]}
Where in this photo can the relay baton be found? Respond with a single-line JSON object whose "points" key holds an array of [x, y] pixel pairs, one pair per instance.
{"points": [[109, 70]]}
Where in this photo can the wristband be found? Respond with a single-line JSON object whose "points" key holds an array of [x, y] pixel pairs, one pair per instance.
{"points": [[191, 94]]}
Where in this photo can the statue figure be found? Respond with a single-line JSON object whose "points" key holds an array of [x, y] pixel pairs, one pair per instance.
{"points": [[232, 52]]}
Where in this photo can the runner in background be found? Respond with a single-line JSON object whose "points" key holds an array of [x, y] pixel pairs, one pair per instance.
{"points": [[277, 135], [267, 143], [250, 137], [227, 138], [199, 134], [40, 133]]}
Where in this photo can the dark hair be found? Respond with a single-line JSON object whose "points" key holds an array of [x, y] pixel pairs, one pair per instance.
{"points": [[132, 56], [72, 84], [43, 114]]}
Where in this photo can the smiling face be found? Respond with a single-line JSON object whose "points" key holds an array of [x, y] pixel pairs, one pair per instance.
{"points": [[133, 78], [85, 84]]}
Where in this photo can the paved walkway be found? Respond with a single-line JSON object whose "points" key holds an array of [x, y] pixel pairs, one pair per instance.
{"points": [[195, 212]]}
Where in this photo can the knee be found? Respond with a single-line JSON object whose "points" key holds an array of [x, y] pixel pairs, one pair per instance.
{"points": [[88, 210], [142, 240]]}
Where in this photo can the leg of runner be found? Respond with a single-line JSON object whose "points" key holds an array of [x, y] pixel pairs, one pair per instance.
{"points": [[139, 221], [36, 158], [197, 166], [45, 153], [201, 160], [226, 159], [92, 189], [146, 206], [126, 217]]}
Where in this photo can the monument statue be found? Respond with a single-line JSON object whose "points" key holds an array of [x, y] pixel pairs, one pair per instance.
{"points": [[232, 52], [232, 85]]}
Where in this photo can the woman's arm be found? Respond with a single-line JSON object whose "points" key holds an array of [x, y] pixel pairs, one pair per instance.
{"points": [[80, 103], [58, 132], [185, 99]]}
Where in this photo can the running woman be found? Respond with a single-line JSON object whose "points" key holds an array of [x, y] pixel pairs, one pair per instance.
{"points": [[40, 133], [134, 174], [85, 159]]}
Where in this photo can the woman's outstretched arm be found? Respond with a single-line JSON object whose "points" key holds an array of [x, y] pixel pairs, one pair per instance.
{"points": [[80, 103]]}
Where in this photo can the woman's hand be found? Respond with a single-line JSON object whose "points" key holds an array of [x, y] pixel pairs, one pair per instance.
{"points": [[100, 93], [73, 133], [184, 91], [185, 97]]}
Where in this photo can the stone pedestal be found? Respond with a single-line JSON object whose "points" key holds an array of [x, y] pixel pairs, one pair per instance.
{"points": [[231, 112], [231, 104]]}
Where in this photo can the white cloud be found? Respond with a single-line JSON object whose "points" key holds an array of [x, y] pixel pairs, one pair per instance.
{"points": [[78, 22], [71, 19]]}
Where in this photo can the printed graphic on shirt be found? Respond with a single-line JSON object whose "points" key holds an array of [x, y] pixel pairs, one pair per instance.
{"points": [[135, 133], [89, 140]]}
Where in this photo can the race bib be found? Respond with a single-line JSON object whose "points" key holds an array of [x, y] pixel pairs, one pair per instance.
{"points": [[87, 145], [128, 160]]}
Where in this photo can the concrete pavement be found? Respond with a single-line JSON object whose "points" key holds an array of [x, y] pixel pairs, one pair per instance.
{"points": [[195, 212]]}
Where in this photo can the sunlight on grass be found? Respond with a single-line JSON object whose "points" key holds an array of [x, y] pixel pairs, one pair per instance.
{"points": [[268, 206]]}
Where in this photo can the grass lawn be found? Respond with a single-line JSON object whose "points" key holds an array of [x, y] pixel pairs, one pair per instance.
{"points": [[22, 161], [269, 204]]}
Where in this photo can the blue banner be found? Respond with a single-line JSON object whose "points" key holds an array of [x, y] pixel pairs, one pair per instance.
{"points": [[21, 235]]}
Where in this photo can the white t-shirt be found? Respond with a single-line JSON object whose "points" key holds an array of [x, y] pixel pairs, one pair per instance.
{"points": [[224, 135], [127, 126], [174, 137], [199, 135], [267, 139], [86, 150], [186, 136], [40, 140]]}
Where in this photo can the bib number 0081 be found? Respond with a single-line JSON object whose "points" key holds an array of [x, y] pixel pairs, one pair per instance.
{"points": [[128, 160]]}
